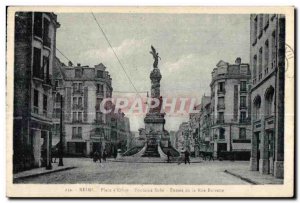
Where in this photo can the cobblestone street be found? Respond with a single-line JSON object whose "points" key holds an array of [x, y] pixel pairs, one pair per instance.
{"points": [[87, 171]]}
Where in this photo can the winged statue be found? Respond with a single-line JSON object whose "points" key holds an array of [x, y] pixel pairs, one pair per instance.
{"points": [[155, 56]]}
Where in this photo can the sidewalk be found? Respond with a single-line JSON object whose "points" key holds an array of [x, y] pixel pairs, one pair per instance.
{"points": [[253, 177], [40, 171]]}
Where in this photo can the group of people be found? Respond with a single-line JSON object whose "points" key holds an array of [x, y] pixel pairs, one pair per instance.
{"points": [[98, 156], [184, 156]]}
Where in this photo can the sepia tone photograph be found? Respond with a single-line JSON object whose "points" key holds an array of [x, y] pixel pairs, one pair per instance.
{"points": [[156, 102]]}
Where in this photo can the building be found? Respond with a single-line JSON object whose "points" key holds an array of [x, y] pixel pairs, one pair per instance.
{"points": [[267, 93], [205, 137], [35, 38], [182, 137], [86, 128], [194, 122], [230, 109]]}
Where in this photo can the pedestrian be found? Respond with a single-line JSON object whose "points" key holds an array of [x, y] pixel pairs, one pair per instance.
{"points": [[169, 155], [186, 157], [104, 155], [181, 157], [96, 156]]}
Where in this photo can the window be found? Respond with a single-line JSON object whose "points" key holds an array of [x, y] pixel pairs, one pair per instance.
{"points": [[254, 66], [45, 69], [78, 73], [80, 131], [80, 101], [75, 87], [45, 104], [46, 39], [99, 74], [37, 62], [100, 88], [74, 101], [74, 134], [243, 86], [243, 101], [220, 117], [74, 116], [261, 22], [260, 63], [266, 59], [256, 110], [269, 100], [98, 116], [80, 87], [56, 83], [80, 116], [222, 134], [221, 103], [38, 27], [221, 87], [255, 27], [36, 101], [243, 117], [273, 50], [242, 134], [98, 103]]}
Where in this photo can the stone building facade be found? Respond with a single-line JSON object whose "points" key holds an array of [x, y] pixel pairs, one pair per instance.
{"points": [[267, 94], [194, 119], [86, 128], [230, 109], [205, 125], [35, 39], [183, 137]]}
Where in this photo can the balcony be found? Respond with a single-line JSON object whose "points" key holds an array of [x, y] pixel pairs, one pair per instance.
{"points": [[221, 91], [47, 80], [77, 136], [98, 121], [220, 121], [47, 42], [243, 106], [220, 106], [77, 121], [78, 92], [100, 93], [77, 107], [243, 90]]}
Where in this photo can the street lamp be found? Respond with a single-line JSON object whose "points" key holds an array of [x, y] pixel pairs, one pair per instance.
{"points": [[61, 147]]}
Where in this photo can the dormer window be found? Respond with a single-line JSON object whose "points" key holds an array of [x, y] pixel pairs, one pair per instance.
{"points": [[78, 73], [100, 74]]}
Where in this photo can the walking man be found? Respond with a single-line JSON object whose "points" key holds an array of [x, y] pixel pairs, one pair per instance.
{"points": [[186, 157]]}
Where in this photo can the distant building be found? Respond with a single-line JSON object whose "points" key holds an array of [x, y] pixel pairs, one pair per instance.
{"points": [[231, 109], [35, 37], [86, 128], [182, 137], [194, 119], [267, 94], [205, 140]]}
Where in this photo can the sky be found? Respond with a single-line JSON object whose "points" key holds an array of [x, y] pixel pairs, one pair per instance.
{"points": [[190, 46]]}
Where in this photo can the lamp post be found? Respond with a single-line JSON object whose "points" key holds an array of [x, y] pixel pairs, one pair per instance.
{"points": [[61, 147]]}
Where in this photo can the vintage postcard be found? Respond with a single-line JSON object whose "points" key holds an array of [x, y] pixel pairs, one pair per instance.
{"points": [[150, 102]]}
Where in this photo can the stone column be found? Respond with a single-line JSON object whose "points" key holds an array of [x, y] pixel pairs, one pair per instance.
{"points": [[88, 148], [264, 151], [279, 105], [254, 150], [36, 139]]}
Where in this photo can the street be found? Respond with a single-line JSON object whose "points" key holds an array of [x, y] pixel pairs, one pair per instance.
{"points": [[206, 172]]}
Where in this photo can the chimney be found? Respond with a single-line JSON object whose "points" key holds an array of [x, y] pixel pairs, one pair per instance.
{"points": [[238, 61]]}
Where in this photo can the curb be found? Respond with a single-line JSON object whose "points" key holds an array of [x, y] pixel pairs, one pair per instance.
{"points": [[242, 178], [43, 173]]}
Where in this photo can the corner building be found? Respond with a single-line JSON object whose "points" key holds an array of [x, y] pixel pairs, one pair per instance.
{"points": [[35, 39], [230, 109], [267, 64]]}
